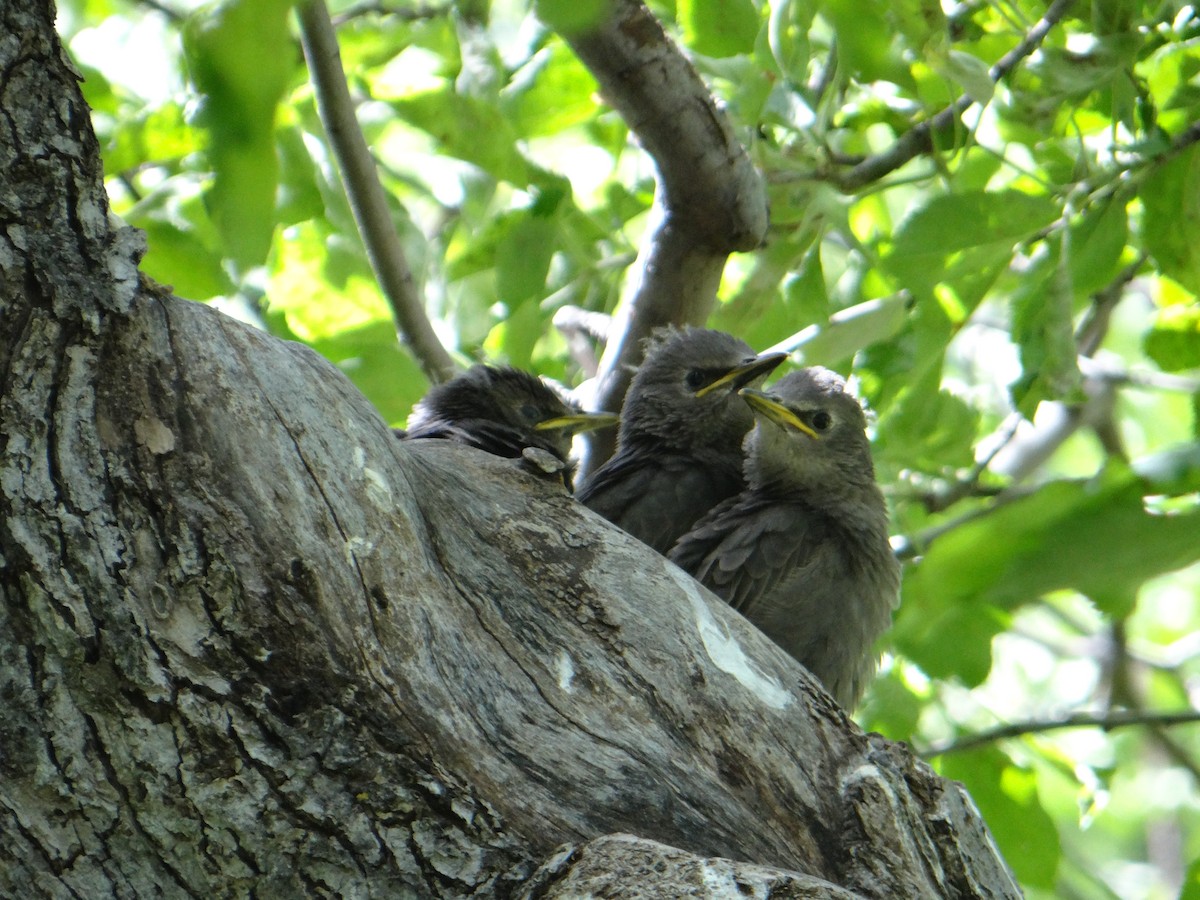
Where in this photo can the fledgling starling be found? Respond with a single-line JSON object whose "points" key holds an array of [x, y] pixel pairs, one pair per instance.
{"points": [[679, 448], [803, 551], [501, 410]]}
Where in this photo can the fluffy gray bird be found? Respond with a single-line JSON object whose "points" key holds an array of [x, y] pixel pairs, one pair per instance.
{"points": [[803, 551], [501, 410], [679, 448]]}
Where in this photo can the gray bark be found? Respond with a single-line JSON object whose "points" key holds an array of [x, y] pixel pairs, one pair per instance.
{"points": [[249, 642]]}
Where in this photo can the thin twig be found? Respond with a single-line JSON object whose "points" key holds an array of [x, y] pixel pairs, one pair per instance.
{"points": [[919, 139], [1094, 326], [1176, 751], [823, 79], [969, 485], [1107, 720], [405, 12], [1134, 694], [365, 193], [173, 15], [920, 543], [583, 329]]}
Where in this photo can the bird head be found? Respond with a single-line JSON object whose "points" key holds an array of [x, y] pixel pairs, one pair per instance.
{"points": [[685, 392], [500, 403], [810, 432]]}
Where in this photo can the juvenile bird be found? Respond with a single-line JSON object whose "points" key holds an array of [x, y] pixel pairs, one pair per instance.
{"points": [[501, 410], [679, 448], [803, 551]]}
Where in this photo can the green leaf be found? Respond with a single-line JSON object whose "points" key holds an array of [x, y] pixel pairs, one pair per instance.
{"points": [[1007, 798], [184, 249], [1114, 16], [519, 245], [469, 129], [156, 136], [719, 28], [514, 338], [969, 71], [804, 294], [1191, 884], [784, 290], [1171, 221], [1073, 73], [865, 40], [550, 94], [892, 367], [322, 286], [1169, 75], [952, 222], [1097, 242], [98, 92], [183, 261], [242, 57], [373, 359], [523, 257], [1095, 537], [921, 633], [1173, 341], [1172, 472], [1043, 328], [787, 37], [964, 241], [929, 429], [299, 192], [572, 16], [890, 707]]}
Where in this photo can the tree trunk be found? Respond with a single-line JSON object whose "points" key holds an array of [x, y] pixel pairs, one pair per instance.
{"points": [[252, 643]]}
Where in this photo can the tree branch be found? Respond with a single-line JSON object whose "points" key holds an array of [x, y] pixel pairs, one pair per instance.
{"points": [[1107, 720], [582, 328], [367, 199], [236, 608], [710, 200], [1091, 331], [919, 139], [403, 11]]}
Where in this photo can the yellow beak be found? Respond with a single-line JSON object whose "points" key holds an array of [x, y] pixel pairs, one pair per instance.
{"points": [[742, 375], [578, 422], [775, 411]]}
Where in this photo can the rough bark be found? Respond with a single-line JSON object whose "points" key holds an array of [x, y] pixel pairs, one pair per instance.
{"points": [[251, 643]]}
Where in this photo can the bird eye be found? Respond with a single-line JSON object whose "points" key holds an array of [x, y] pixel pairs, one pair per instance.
{"points": [[695, 379], [821, 420], [530, 413]]}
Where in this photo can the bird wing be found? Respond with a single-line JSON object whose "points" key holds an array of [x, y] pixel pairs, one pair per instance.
{"points": [[497, 439], [745, 548], [692, 548], [656, 497]]}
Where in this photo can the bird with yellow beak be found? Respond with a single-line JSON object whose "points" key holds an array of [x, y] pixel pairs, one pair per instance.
{"points": [[803, 550], [679, 447]]}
